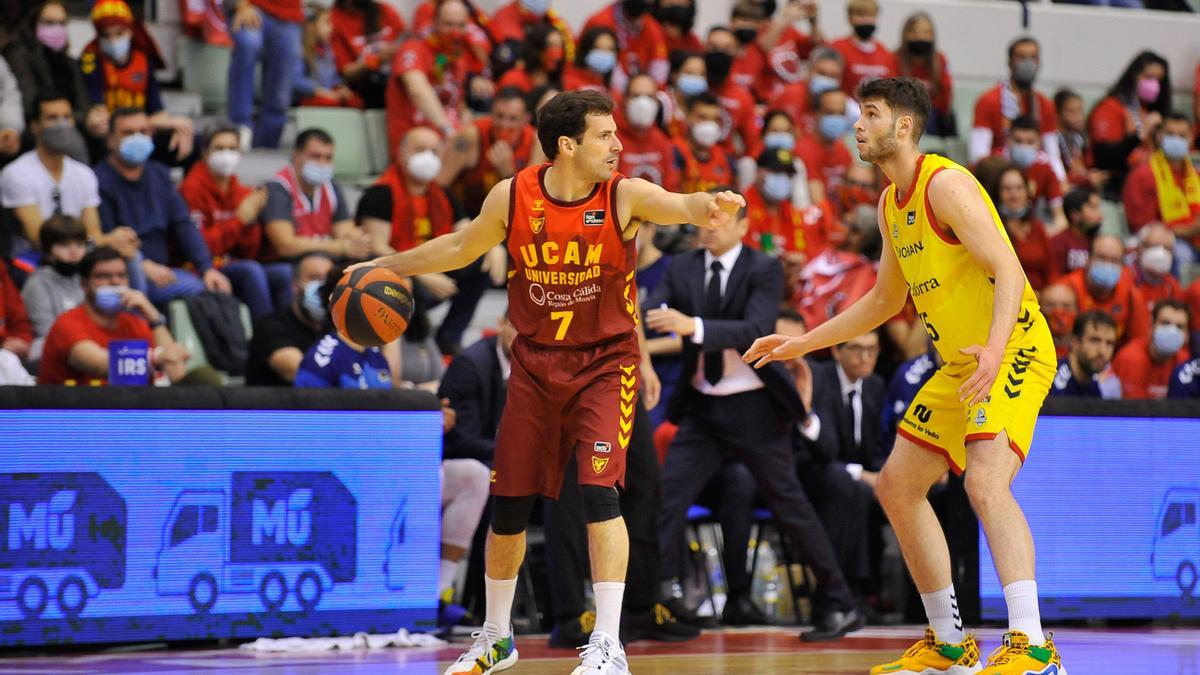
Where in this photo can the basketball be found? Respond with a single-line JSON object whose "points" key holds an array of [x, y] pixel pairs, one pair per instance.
{"points": [[371, 306]]}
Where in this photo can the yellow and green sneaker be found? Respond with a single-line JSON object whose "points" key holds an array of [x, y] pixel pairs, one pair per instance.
{"points": [[1017, 657], [490, 654], [931, 657]]}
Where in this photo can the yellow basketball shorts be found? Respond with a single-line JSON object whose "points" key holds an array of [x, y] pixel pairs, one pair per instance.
{"points": [[937, 421]]}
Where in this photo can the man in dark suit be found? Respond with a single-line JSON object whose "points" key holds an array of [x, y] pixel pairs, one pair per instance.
{"points": [[720, 299], [839, 449], [476, 382]]}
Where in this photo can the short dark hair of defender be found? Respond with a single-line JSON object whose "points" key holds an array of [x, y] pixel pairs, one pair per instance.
{"points": [[904, 95], [1092, 317], [94, 257], [566, 115]]}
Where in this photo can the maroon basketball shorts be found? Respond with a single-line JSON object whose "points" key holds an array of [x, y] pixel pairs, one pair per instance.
{"points": [[564, 400]]}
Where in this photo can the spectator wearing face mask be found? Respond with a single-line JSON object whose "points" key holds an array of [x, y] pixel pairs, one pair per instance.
{"points": [[39, 57], [749, 71], [305, 209], [335, 362], [1121, 127], [541, 58], [737, 104], [918, 57], [282, 337], [594, 62], [678, 18], [1010, 194], [1037, 169], [798, 99], [1152, 265], [515, 21], [866, 57], [825, 155], [786, 45], [76, 348], [1012, 98], [703, 164], [1060, 307], [1069, 248], [1145, 364], [1106, 284], [1073, 145], [118, 67], [1086, 371], [1166, 188], [227, 213], [317, 81], [689, 77], [365, 37], [490, 149], [641, 45], [54, 287], [779, 133], [648, 152], [778, 227], [406, 208], [137, 192], [46, 181], [430, 74]]}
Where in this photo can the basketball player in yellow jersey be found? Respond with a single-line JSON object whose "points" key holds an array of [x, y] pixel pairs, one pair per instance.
{"points": [[949, 252]]}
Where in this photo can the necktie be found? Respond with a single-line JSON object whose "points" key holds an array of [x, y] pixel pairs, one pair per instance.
{"points": [[714, 366], [855, 416]]}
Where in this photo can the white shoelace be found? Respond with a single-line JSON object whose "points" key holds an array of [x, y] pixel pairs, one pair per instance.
{"points": [[596, 653], [484, 639]]}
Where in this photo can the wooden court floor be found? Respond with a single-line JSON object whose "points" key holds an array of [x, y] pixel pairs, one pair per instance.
{"points": [[727, 652]]}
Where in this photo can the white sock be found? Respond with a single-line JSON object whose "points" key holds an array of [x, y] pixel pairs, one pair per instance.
{"points": [[500, 594], [942, 609], [1023, 612], [609, 595], [447, 570]]}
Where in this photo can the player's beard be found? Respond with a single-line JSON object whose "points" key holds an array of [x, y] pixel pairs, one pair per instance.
{"points": [[883, 149]]}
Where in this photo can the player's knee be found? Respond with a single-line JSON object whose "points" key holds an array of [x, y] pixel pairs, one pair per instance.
{"points": [[600, 503], [985, 489], [510, 515], [889, 489]]}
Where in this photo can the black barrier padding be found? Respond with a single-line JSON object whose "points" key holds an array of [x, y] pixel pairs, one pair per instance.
{"points": [[213, 398], [1093, 407]]}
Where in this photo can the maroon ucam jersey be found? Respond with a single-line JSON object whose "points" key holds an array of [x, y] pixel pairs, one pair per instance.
{"points": [[571, 275]]}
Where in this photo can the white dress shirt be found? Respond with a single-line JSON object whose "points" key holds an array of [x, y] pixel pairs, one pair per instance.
{"points": [[855, 470], [737, 377]]}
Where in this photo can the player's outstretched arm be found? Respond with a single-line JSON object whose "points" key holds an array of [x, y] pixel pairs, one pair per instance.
{"points": [[958, 203], [650, 202], [457, 249], [884, 300]]}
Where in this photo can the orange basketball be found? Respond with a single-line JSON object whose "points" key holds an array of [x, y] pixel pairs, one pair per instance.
{"points": [[371, 306]]}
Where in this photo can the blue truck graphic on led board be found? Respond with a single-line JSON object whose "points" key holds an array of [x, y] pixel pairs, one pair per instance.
{"points": [[62, 540], [277, 534], [1176, 553]]}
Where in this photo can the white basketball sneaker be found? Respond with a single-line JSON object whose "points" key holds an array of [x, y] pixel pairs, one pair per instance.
{"points": [[603, 655], [490, 653]]}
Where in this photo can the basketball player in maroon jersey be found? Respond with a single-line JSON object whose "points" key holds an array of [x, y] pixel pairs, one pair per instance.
{"points": [[577, 362]]}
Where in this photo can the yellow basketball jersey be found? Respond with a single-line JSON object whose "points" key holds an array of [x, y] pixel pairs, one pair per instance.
{"points": [[952, 292]]}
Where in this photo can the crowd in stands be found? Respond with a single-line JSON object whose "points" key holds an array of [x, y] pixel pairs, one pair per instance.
{"points": [[99, 236]]}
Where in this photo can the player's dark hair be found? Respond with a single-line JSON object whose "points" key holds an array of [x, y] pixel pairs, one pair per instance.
{"points": [[312, 134], [95, 257], [1092, 318], [1170, 303], [1075, 199], [904, 95], [1023, 40], [59, 229], [566, 115], [1024, 123]]}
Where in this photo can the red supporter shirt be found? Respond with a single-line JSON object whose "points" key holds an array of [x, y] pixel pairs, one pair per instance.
{"points": [[1109, 122], [1142, 377], [1126, 305], [921, 71], [687, 42], [748, 69], [793, 99], [77, 325], [826, 163], [1140, 196], [1192, 297], [988, 114], [284, 10], [415, 218], [579, 79], [215, 213], [698, 175], [737, 114], [349, 40], [648, 154], [641, 48], [1034, 253], [510, 21], [474, 184], [791, 229], [1167, 289], [516, 77], [447, 75], [786, 63], [14, 321], [1068, 252], [571, 282], [862, 65]]}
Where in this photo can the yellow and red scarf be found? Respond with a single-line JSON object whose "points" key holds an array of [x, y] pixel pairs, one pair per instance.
{"points": [[1177, 204]]}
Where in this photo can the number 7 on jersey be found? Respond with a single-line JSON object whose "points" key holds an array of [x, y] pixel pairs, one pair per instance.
{"points": [[565, 318]]}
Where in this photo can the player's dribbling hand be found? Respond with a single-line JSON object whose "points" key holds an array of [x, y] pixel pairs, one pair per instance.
{"points": [[774, 348], [987, 367], [369, 263], [724, 208]]}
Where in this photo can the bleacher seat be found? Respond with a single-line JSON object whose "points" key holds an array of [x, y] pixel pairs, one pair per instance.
{"points": [[352, 157], [205, 71], [377, 139]]}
